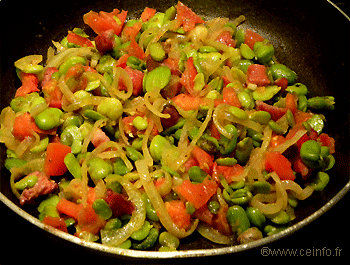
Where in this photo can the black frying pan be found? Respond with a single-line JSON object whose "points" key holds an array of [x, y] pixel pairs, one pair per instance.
{"points": [[311, 37]]}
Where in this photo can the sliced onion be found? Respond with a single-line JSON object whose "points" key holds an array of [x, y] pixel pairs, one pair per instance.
{"points": [[214, 235], [284, 146], [116, 237]]}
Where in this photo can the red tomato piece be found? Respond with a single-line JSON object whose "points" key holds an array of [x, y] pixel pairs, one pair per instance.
{"points": [[99, 137], [178, 213], [53, 94], [135, 50], [204, 160], [282, 82], [54, 162], [198, 194], [29, 85], [130, 32], [186, 17], [105, 41], [230, 97], [79, 40], [103, 21], [220, 221], [251, 37], [188, 102], [69, 208], [119, 203], [326, 140], [89, 220], [257, 74], [56, 222], [188, 76], [291, 103], [229, 172], [147, 14], [204, 215], [225, 37], [136, 78], [275, 161], [275, 112]]}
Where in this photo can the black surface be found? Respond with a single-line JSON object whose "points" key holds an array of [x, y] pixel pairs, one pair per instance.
{"points": [[328, 235]]}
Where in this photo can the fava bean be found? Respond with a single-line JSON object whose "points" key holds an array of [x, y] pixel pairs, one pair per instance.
{"points": [[26, 182], [243, 150], [73, 166], [12, 162], [226, 145], [168, 240], [281, 218], [49, 118], [99, 168], [140, 123], [318, 103], [226, 161], [238, 113], [276, 127], [255, 217], [71, 61], [250, 235], [119, 167], [102, 209], [261, 187], [149, 241], [260, 116], [156, 51], [246, 51], [264, 53], [237, 219], [320, 182], [316, 123], [246, 100], [113, 223], [271, 230], [158, 78], [158, 145], [196, 174], [143, 232], [72, 137], [213, 206], [93, 115], [132, 153], [111, 108], [265, 93], [41, 147], [298, 88], [150, 211], [302, 103], [280, 70], [310, 153], [240, 37]]}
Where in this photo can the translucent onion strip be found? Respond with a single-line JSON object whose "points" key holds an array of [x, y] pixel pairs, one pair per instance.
{"points": [[214, 235], [284, 146], [297, 191]]}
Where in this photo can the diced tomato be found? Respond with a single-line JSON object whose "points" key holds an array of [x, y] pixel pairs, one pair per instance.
{"points": [[56, 222], [186, 17], [188, 76], [135, 50], [225, 37], [89, 220], [188, 102], [79, 40], [204, 215], [198, 194], [291, 103], [147, 14], [119, 203], [130, 32], [301, 117], [48, 75], [277, 140], [214, 132], [122, 61], [54, 162], [229, 172], [136, 78], [99, 137], [204, 160], [282, 83], [275, 161], [29, 85], [53, 94], [220, 221], [103, 21], [173, 65], [251, 37], [190, 163], [326, 140], [301, 168], [275, 112], [24, 126], [105, 41], [69, 208], [257, 74], [230, 97], [178, 213]]}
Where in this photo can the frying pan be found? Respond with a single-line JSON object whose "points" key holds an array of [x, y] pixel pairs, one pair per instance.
{"points": [[311, 37]]}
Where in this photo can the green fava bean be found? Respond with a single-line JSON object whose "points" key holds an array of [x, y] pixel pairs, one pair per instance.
{"points": [[238, 113], [102, 208], [158, 78], [246, 100], [297, 88], [260, 116], [320, 181], [99, 168], [111, 108], [71, 62], [49, 118], [150, 211], [73, 166], [140, 123], [41, 146], [255, 217], [246, 51], [264, 53], [244, 64], [150, 240], [243, 150], [310, 152], [143, 232], [27, 182], [156, 51], [158, 144], [169, 240], [280, 70], [318, 103], [238, 219], [196, 174], [265, 93], [73, 137], [240, 37], [281, 218]]}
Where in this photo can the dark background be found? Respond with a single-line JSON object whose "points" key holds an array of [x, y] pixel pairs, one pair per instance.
{"points": [[330, 231]]}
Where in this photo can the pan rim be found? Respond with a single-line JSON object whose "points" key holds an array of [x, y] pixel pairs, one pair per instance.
{"points": [[182, 253]]}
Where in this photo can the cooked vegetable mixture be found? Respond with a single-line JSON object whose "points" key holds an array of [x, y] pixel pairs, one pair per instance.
{"points": [[136, 133]]}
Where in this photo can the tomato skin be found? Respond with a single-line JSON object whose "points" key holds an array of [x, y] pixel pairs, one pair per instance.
{"points": [[188, 76], [198, 194], [178, 213], [257, 74], [225, 37], [328, 141], [186, 17], [230, 96], [251, 37], [56, 222], [204, 160], [275, 112], [68, 208], [79, 40], [135, 50], [226, 171], [29, 85], [147, 14], [54, 162], [275, 161]]}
